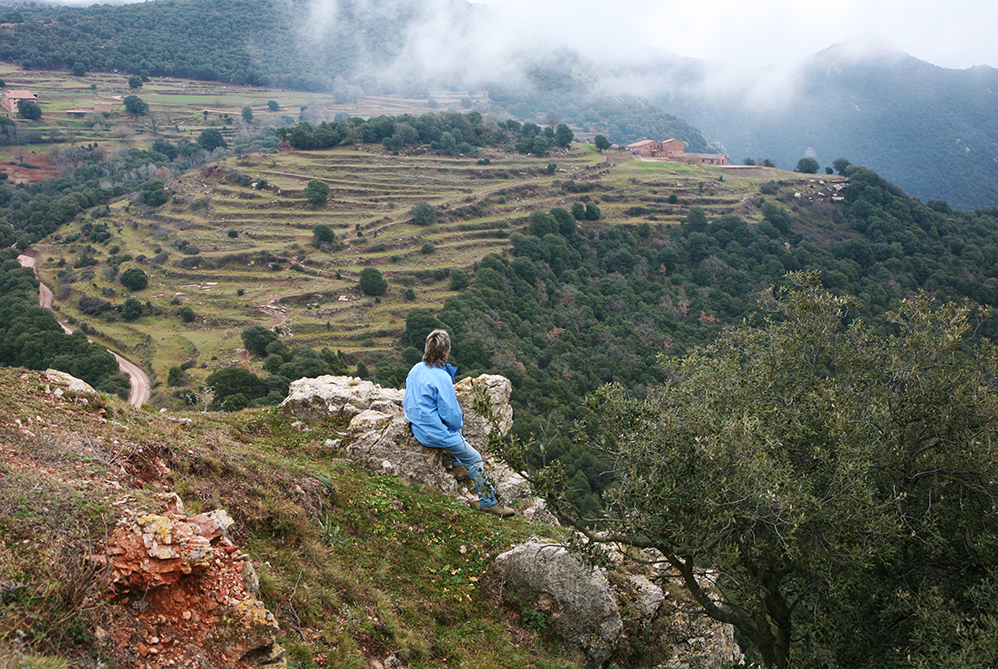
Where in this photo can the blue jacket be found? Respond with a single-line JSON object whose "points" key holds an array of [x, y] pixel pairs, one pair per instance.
{"points": [[431, 406]]}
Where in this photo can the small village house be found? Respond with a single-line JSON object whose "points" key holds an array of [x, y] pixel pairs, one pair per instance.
{"points": [[674, 149], [13, 96]]}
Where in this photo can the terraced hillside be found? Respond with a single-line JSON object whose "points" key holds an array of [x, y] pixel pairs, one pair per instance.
{"points": [[235, 244]]}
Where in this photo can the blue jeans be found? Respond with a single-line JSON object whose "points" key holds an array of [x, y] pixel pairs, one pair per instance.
{"points": [[465, 454]]}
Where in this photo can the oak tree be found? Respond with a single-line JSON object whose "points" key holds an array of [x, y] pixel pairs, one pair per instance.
{"points": [[826, 488]]}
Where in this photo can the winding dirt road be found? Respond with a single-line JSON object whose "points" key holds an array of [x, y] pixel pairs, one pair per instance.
{"points": [[140, 392]]}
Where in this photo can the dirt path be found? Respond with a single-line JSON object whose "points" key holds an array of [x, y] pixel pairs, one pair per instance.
{"points": [[141, 391], [269, 309]]}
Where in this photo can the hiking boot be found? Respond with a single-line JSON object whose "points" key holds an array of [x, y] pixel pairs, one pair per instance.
{"points": [[460, 473], [495, 509]]}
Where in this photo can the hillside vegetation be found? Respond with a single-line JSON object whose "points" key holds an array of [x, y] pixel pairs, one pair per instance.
{"points": [[355, 567], [657, 256], [561, 267], [673, 254]]}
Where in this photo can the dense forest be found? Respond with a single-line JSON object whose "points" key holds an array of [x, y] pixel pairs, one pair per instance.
{"points": [[182, 39]]}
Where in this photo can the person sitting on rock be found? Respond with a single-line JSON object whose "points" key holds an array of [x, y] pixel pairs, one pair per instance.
{"points": [[436, 419]]}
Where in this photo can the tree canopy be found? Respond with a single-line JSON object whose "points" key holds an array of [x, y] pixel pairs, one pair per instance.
{"points": [[134, 279], [211, 139], [423, 213], [372, 282], [317, 192], [256, 338], [29, 109], [807, 165], [840, 483], [135, 105], [322, 234]]}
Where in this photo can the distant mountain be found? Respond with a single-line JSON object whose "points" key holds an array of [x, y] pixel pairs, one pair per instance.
{"points": [[932, 131]]}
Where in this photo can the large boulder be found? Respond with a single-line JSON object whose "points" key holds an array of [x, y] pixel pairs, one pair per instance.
{"points": [[378, 436], [494, 391], [64, 382], [381, 442], [323, 396], [577, 598], [603, 612]]}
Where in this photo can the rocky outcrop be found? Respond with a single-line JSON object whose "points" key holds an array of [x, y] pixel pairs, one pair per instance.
{"points": [[58, 383], [378, 436], [323, 396], [577, 598], [600, 611], [604, 613], [191, 590]]}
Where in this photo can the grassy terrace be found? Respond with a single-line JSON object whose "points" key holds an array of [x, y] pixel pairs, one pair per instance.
{"points": [[234, 241], [256, 263]]}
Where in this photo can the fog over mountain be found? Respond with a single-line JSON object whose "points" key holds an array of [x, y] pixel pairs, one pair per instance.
{"points": [[930, 129]]}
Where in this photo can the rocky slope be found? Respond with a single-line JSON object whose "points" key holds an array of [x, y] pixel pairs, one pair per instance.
{"points": [[143, 540]]}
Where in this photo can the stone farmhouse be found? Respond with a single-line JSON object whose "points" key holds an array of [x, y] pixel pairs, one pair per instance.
{"points": [[674, 149], [12, 97]]}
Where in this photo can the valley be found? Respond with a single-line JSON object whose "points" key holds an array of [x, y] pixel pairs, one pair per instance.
{"points": [[595, 282], [235, 241]]}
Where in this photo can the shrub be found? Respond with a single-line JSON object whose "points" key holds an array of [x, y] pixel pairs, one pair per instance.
{"points": [[423, 214], [131, 309], [372, 282], [134, 279], [175, 377]]}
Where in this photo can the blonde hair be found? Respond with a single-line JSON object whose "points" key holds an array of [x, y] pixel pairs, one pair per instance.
{"points": [[437, 348]]}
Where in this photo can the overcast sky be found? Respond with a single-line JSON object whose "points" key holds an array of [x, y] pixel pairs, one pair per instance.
{"points": [[955, 34]]}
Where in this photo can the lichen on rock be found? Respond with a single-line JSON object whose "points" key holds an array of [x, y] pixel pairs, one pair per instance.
{"points": [[181, 576], [598, 611]]}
